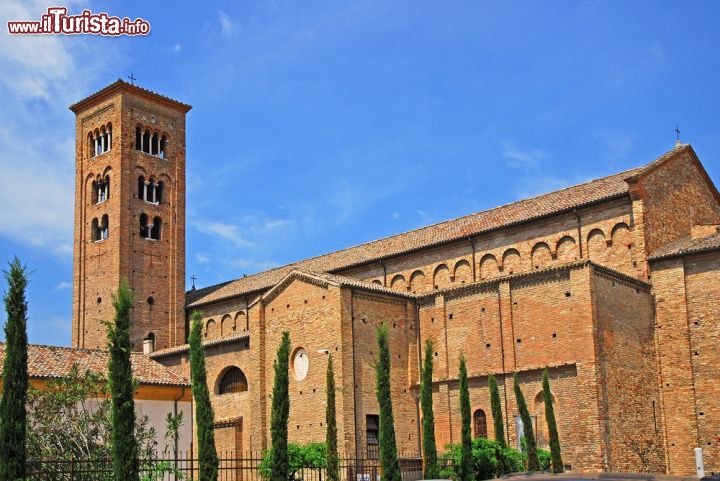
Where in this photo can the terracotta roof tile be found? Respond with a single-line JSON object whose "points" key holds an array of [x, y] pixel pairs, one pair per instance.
{"points": [[588, 193], [209, 343], [45, 362], [687, 246]]}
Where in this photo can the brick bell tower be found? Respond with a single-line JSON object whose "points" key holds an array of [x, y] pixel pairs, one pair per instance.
{"points": [[129, 214]]}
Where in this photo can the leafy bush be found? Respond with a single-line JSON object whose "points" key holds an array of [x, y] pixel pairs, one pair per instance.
{"points": [[300, 456], [489, 460], [544, 457]]}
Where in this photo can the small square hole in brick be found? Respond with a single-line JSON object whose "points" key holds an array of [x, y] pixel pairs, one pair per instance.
{"points": [[436, 354], [567, 294], [554, 334], [450, 316], [487, 345], [519, 341]]}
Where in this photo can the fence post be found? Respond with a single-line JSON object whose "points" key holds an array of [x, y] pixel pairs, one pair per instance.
{"points": [[72, 469]]}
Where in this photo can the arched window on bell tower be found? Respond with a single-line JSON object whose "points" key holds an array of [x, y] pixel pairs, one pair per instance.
{"points": [[150, 231], [156, 230], [102, 190], [105, 227]]}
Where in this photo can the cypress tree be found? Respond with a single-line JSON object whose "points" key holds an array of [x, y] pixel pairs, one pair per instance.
{"points": [[120, 379], [426, 401], [466, 461], [555, 455], [331, 441], [388, 446], [531, 445], [14, 377], [208, 462], [280, 467], [496, 408]]}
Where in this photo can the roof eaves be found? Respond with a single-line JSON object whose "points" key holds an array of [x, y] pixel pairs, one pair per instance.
{"points": [[120, 85]]}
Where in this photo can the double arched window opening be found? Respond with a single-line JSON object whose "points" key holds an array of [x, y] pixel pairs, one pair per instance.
{"points": [[100, 140], [151, 142], [150, 231], [101, 190], [100, 229], [149, 190]]}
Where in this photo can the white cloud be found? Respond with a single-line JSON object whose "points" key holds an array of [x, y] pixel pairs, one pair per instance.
{"points": [[227, 26], [202, 258], [521, 158], [39, 78], [224, 231], [176, 48], [62, 285]]}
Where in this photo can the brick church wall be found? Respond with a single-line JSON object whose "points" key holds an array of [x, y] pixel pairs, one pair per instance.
{"points": [[312, 315], [369, 311], [603, 234], [630, 397], [702, 281], [688, 325], [676, 197], [554, 330]]}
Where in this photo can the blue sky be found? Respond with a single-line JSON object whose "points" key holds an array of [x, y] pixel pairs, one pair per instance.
{"points": [[320, 125]]}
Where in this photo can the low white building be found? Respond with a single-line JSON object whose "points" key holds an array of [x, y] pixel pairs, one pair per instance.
{"points": [[160, 390]]}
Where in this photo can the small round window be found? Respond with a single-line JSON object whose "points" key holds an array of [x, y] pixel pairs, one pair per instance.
{"points": [[300, 364]]}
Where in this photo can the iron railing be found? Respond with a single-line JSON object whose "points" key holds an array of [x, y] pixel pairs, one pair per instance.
{"points": [[233, 467]]}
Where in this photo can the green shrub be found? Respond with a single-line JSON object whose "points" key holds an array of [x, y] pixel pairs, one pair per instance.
{"points": [[544, 458], [489, 460], [300, 456]]}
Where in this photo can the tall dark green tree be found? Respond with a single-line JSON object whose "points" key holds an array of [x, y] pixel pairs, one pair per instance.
{"points": [[530, 444], [122, 387], [388, 446], [208, 462], [331, 441], [555, 455], [496, 409], [432, 470], [466, 461], [280, 466], [14, 377]]}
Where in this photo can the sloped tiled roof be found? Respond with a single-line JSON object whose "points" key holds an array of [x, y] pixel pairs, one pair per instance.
{"points": [[339, 280], [207, 343], [687, 246], [47, 362], [588, 193]]}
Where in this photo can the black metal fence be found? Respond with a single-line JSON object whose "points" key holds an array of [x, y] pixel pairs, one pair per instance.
{"points": [[246, 467]]}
